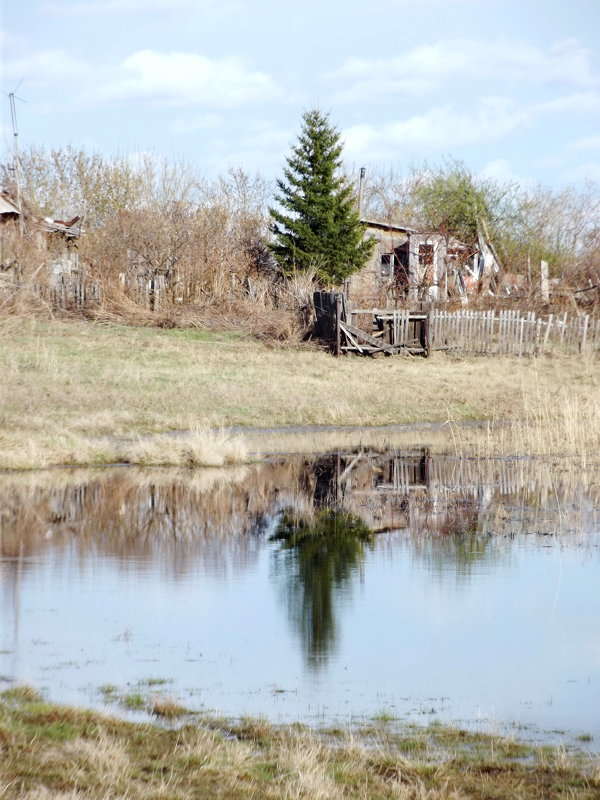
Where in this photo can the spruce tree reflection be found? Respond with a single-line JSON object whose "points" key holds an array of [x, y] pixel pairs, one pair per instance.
{"points": [[321, 554]]}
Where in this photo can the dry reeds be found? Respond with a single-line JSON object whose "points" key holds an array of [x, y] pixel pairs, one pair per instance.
{"points": [[554, 421], [197, 448]]}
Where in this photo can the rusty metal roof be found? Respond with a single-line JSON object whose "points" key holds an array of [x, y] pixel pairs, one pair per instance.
{"points": [[71, 229]]}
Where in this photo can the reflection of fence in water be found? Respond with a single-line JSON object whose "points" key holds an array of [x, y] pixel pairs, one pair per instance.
{"points": [[424, 491]]}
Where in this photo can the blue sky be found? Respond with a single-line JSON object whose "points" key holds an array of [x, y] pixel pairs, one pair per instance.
{"points": [[509, 87]]}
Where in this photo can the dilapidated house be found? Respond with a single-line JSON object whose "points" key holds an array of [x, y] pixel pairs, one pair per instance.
{"points": [[35, 251], [62, 238], [411, 265]]}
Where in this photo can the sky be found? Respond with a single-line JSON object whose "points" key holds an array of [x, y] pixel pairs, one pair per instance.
{"points": [[510, 88]]}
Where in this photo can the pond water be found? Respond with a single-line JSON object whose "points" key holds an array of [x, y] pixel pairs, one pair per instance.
{"points": [[325, 589]]}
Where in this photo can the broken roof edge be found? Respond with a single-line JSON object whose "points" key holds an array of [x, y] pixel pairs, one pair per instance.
{"points": [[7, 206], [386, 226]]}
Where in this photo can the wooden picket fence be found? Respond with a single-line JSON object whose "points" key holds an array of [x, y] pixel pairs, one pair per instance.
{"points": [[72, 291], [420, 332], [511, 332]]}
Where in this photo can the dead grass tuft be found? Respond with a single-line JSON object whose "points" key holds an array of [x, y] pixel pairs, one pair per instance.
{"points": [[166, 707], [198, 448]]}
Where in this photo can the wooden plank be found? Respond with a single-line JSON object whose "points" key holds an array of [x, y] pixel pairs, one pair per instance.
{"points": [[531, 329], [586, 321], [548, 329], [386, 348], [353, 342], [563, 328]]}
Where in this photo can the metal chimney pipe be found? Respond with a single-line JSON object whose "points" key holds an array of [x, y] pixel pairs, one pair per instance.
{"points": [[361, 182]]}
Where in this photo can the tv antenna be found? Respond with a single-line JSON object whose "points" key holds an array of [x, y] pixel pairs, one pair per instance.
{"points": [[13, 113]]}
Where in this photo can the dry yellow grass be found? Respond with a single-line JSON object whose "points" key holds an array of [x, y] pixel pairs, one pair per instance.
{"points": [[69, 388], [197, 448]]}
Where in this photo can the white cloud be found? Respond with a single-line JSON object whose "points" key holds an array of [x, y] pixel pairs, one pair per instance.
{"points": [[443, 127], [184, 79], [590, 171], [196, 123], [46, 68], [500, 170], [175, 79], [263, 148], [431, 66], [90, 8], [440, 127], [579, 103], [589, 143]]}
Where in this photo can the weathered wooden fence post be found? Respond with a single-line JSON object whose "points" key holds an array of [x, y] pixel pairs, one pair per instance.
{"points": [[544, 283], [428, 331], [338, 329]]}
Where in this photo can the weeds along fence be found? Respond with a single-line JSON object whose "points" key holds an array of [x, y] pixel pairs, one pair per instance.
{"points": [[512, 332]]}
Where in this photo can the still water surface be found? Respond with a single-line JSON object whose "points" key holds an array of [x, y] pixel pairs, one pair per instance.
{"points": [[321, 589]]}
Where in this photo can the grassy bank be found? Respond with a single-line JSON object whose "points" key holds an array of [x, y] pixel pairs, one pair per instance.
{"points": [[69, 388], [54, 753]]}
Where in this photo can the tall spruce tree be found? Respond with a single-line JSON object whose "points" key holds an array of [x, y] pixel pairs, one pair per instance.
{"points": [[317, 225]]}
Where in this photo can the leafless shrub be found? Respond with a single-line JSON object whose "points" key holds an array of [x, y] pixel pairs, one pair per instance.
{"points": [[160, 246]]}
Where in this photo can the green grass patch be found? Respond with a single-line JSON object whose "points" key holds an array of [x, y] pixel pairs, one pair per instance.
{"points": [[134, 701], [21, 694], [383, 717], [155, 681]]}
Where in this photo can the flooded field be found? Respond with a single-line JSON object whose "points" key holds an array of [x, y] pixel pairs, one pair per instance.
{"points": [[325, 589]]}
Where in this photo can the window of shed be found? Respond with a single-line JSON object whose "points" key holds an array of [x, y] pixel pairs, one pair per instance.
{"points": [[388, 260], [426, 255]]}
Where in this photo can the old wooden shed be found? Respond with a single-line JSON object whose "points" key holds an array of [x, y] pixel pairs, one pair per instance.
{"points": [[408, 265]]}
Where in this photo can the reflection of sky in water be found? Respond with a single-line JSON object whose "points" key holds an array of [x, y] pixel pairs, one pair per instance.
{"points": [[436, 614]]}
